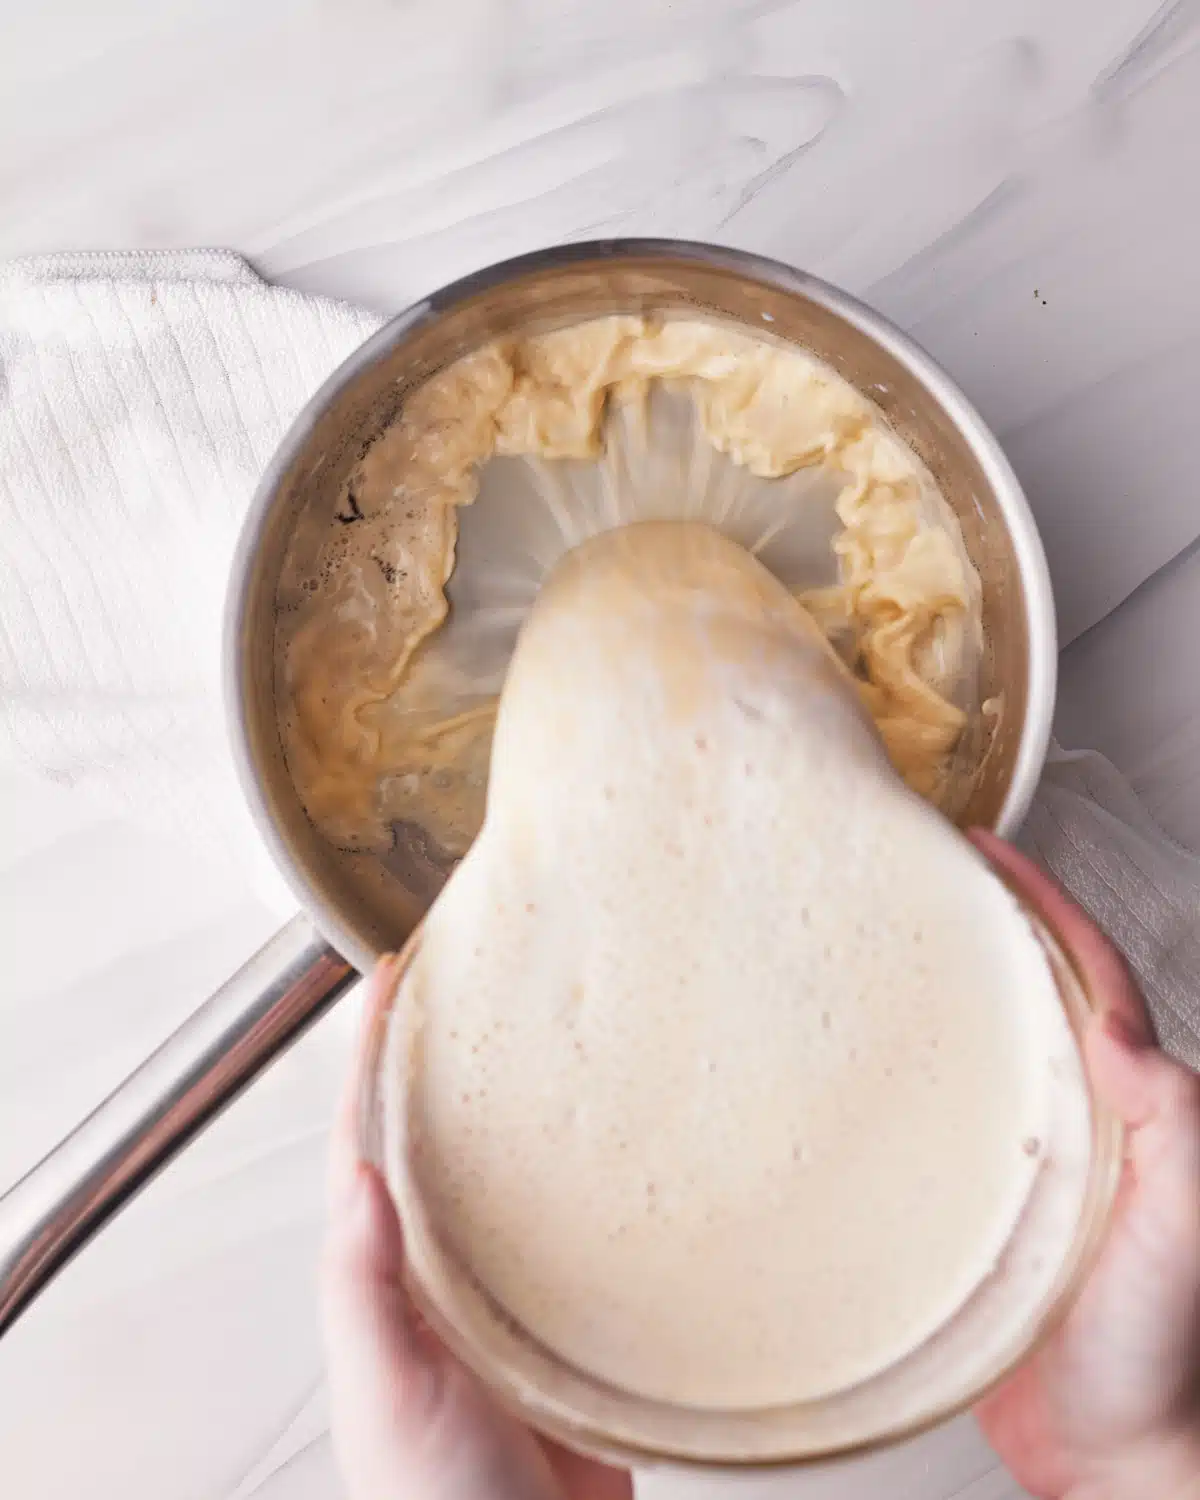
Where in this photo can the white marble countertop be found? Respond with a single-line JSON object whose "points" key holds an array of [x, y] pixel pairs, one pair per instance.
{"points": [[1014, 183]]}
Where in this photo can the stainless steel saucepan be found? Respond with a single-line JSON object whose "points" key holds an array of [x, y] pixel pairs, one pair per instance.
{"points": [[61, 1203]]}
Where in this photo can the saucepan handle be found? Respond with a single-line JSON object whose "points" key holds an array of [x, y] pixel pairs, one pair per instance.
{"points": [[73, 1192]]}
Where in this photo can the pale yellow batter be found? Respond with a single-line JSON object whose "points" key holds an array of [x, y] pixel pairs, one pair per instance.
{"points": [[725, 1063], [363, 693]]}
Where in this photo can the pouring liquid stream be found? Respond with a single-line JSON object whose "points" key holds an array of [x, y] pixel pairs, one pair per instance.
{"points": [[657, 464]]}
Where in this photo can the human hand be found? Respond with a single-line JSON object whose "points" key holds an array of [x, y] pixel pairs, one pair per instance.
{"points": [[1109, 1409], [409, 1422]]}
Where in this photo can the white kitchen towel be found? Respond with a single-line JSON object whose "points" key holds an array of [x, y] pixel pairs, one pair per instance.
{"points": [[1087, 827], [140, 397]]}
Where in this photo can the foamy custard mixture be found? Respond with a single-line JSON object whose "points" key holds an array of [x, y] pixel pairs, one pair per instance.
{"points": [[723, 1062], [385, 722]]}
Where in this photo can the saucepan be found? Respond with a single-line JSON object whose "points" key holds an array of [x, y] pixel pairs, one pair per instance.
{"points": [[342, 927]]}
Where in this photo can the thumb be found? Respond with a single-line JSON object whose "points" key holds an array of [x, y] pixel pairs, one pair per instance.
{"points": [[1146, 1293], [384, 1369], [1158, 1100], [407, 1419]]}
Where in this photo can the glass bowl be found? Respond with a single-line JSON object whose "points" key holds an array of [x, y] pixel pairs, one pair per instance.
{"points": [[1028, 1292]]}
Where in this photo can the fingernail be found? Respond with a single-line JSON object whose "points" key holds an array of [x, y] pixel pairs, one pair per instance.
{"points": [[360, 1209], [373, 1231], [1122, 1031], [392, 968], [346, 1194]]}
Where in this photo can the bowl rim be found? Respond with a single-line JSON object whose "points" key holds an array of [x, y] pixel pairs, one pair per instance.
{"points": [[1106, 1163]]}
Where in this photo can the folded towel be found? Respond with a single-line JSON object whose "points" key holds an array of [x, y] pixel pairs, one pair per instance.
{"points": [[140, 398], [1087, 827]]}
